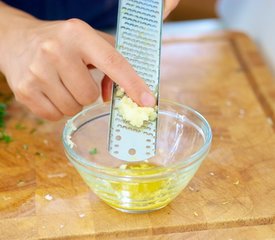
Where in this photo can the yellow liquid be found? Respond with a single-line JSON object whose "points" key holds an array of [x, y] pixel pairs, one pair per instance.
{"points": [[134, 195]]}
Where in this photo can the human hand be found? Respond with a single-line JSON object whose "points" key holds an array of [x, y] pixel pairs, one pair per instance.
{"points": [[169, 6], [47, 69], [46, 65]]}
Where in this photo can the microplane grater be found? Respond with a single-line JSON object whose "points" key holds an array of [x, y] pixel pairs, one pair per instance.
{"points": [[138, 39]]}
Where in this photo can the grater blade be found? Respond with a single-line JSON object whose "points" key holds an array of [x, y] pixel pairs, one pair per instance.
{"points": [[138, 39]]}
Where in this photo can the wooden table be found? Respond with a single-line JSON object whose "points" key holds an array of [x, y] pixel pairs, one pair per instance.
{"points": [[232, 196]]}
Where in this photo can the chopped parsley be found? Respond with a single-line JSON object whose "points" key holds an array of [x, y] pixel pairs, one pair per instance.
{"points": [[2, 114], [25, 146], [93, 151], [3, 135], [20, 126], [33, 130], [40, 121], [40, 154]]}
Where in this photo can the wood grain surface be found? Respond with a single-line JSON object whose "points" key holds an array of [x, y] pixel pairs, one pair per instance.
{"points": [[232, 196]]}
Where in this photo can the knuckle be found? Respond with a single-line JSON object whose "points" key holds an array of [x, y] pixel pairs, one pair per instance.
{"points": [[71, 26], [23, 90], [50, 48], [32, 74], [132, 86], [113, 58], [53, 116], [72, 110], [18, 97], [47, 114], [88, 97], [36, 78]]}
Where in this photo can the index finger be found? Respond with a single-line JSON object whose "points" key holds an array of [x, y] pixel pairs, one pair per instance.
{"points": [[105, 57]]}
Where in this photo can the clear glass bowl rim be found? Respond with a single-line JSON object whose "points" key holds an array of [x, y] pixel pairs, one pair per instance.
{"points": [[190, 160]]}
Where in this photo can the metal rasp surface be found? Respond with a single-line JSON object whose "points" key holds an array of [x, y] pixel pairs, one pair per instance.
{"points": [[138, 39]]}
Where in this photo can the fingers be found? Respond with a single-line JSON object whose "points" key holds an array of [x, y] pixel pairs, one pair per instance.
{"points": [[108, 37], [43, 75], [62, 98], [77, 79], [100, 53], [39, 104], [169, 6], [62, 93], [53, 79], [44, 108], [106, 87]]}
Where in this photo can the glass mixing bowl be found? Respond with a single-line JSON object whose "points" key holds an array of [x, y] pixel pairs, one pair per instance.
{"points": [[184, 139]]}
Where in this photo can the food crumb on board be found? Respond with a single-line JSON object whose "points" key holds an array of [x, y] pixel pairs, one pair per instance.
{"points": [[228, 103], [269, 121], [70, 164], [212, 174], [226, 202], [196, 214], [241, 113], [39, 154], [25, 146], [6, 198], [57, 175], [82, 215], [49, 197], [20, 183], [237, 182], [33, 130]]}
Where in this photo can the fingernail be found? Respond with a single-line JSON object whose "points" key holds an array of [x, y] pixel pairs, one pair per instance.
{"points": [[147, 100]]}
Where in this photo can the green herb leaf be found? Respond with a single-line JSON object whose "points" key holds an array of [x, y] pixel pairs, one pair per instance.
{"points": [[4, 137], [38, 154], [40, 121], [25, 146], [93, 151], [19, 126], [21, 183], [33, 130], [3, 108]]}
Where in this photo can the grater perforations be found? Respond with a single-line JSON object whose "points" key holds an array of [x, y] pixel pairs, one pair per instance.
{"points": [[138, 40]]}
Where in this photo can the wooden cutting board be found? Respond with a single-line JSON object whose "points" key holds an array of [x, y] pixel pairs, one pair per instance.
{"points": [[231, 196]]}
